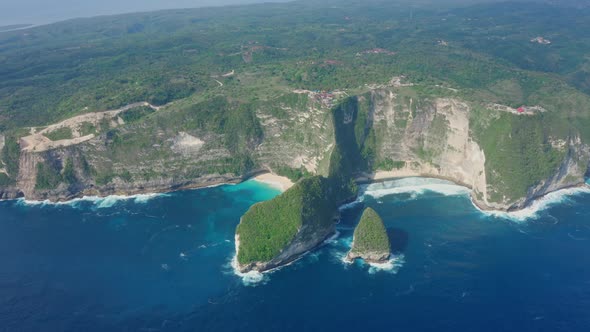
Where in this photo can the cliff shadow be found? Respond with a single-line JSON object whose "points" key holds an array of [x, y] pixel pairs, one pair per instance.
{"points": [[350, 217], [398, 239]]}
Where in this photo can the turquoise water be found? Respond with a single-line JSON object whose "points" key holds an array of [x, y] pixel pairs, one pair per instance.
{"points": [[162, 263]]}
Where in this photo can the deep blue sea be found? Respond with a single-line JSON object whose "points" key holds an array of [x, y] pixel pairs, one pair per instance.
{"points": [[163, 263]]}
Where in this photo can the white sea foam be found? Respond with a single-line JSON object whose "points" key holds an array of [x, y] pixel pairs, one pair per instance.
{"points": [[251, 278], [108, 202], [332, 239], [99, 202], [340, 254], [419, 186], [533, 211], [393, 265], [414, 186], [144, 198], [350, 205]]}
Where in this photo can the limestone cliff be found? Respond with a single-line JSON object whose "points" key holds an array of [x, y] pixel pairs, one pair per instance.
{"points": [[427, 138], [398, 131]]}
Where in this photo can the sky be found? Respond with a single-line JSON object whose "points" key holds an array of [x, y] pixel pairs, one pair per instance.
{"points": [[47, 11]]}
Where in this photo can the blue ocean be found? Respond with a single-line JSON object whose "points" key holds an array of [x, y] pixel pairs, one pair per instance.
{"points": [[163, 263]]}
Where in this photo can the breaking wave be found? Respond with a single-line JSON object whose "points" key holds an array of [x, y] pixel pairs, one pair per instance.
{"points": [[534, 210], [393, 265], [415, 186], [252, 278], [99, 202], [342, 245], [418, 186]]}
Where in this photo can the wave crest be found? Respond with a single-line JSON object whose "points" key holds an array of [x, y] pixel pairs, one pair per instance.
{"points": [[252, 278], [416, 186], [393, 265], [99, 202], [419, 186], [533, 211]]}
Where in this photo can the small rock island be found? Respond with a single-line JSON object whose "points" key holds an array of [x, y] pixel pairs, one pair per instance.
{"points": [[370, 241]]}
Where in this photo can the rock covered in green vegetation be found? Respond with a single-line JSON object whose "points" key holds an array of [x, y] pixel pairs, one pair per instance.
{"points": [[370, 241], [275, 232]]}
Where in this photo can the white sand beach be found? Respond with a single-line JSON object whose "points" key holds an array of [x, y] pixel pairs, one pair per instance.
{"points": [[277, 181]]}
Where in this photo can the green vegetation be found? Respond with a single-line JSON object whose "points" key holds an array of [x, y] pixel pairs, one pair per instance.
{"points": [[69, 175], [268, 227], [389, 164], [11, 156], [482, 51], [87, 128], [347, 159], [135, 114], [104, 178], [370, 235], [59, 134], [106, 62], [126, 176], [48, 177], [518, 153], [293, 174], [5, 180]]}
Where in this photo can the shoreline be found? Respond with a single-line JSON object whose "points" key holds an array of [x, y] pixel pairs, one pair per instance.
{"points": [[384, 176], [276, 181], [283, 183], [236, 265]]}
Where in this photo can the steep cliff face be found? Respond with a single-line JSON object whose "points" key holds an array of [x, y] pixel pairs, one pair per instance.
{"points": [[27, 176], [278, 231], [388, 131], [84, 181], [298, 133], [433, 136], [427, 138], [307, 239], [570, 173]]}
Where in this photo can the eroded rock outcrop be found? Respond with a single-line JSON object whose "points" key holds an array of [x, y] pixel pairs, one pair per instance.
{"points": [[370, 242]]}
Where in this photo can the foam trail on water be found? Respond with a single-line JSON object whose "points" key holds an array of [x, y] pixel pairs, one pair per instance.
{"points": [[332, 239], [351, 204], [393, 265], [108, 202], [541, 204], [419, 186], [416, 186], [144, 198], [251, 278], [100, 202]]}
